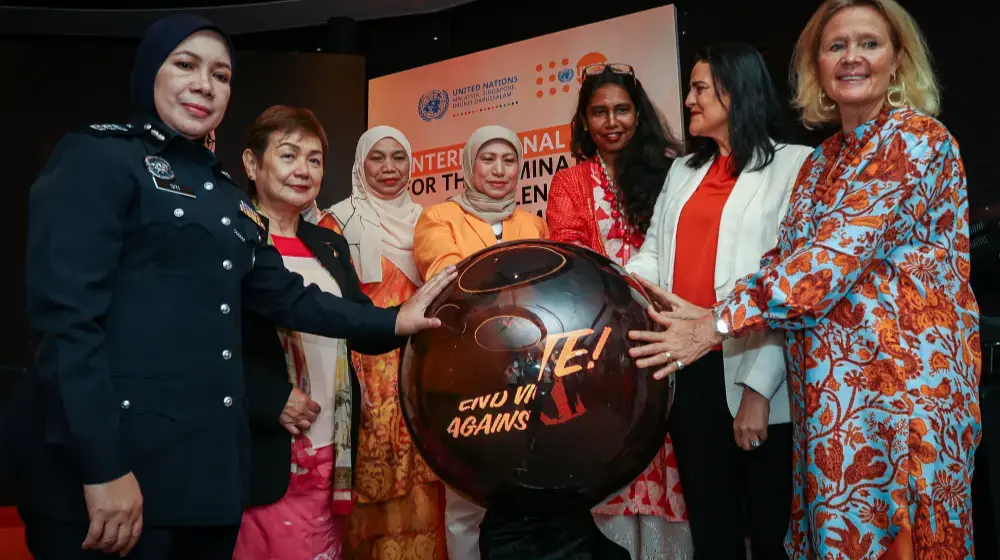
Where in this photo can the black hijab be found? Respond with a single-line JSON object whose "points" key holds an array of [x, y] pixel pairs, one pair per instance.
{"points": [[158, 42]]}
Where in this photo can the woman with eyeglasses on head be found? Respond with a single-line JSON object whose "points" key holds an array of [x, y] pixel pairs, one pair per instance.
{"points": [[718, 213], [605, 203]]}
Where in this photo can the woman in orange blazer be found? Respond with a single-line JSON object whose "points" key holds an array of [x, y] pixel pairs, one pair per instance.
{"points": [[483, 215]]}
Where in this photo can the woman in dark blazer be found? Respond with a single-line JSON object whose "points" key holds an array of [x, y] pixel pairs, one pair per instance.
{"points": [[303, 396]]}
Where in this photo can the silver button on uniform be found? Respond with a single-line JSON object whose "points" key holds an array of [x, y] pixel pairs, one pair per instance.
{"points": [[225, 309], [226, 354], [178, 212], [126, 404], [227, 264], [228, 401], [209, 186], [225, 221]]}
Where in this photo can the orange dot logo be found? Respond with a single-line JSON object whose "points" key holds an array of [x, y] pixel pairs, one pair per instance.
{"points": [[586, 60]]}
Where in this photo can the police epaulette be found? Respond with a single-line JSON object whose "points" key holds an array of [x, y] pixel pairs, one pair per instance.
{"points": [[110, 129]]}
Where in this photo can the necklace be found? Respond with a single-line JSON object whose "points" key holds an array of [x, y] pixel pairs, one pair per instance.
{"points": [[611, 192], [620, 228]]}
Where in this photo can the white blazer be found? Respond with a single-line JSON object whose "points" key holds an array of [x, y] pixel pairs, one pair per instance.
{"points": [[749, 228]]}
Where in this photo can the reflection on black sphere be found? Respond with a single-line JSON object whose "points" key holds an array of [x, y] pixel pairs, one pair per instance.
{"points": [[528, 392]]}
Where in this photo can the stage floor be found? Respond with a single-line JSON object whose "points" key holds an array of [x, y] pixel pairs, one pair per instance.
{"points": [[12, 545]]}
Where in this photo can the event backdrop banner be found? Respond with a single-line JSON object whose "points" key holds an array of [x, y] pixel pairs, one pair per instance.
{"points": [[530, 87]]}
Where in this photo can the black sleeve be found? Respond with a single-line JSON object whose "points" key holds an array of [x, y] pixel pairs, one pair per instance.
{"points": [[76, 221], [281, 296], [361, 343], [265, 372], [267, 395]]}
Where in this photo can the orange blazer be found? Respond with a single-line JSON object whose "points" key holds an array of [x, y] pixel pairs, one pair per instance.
{"points": [[445, 234]]}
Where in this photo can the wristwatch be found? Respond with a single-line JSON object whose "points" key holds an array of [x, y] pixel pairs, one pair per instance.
{"points": [[721, 327]]}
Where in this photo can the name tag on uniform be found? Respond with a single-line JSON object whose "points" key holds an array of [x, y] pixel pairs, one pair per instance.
{"points": [[252, 214], [174, 188]]}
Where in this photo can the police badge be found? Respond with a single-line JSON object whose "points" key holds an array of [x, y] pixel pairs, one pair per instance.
{"points": [[159, 168]]}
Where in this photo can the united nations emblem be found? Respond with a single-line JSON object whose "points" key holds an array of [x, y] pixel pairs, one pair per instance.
{"points": [[433, 105], [159, 168]]}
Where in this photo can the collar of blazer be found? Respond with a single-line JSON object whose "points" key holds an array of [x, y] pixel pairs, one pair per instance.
{"points": [[511, 229], [740, 205], [329, 248]]}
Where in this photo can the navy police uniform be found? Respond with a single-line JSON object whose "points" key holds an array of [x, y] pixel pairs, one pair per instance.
{"points": [[142, 256]]}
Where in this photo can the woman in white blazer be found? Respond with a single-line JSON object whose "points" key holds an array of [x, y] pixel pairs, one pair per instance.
{"points": [[717, 214]]}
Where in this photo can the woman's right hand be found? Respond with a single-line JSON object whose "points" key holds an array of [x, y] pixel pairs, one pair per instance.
{"points": [[412, 314], [750, 425]]}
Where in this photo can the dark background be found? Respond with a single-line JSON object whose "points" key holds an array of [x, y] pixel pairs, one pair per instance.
{"points": [[61, 83]]}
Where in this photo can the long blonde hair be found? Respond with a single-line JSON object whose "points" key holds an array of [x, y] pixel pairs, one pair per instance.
{"points": [[915, 81]]}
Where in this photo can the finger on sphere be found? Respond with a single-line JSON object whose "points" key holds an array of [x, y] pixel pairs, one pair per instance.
{"points": [[647, 350], [656, 360], [663, 372], [648, 336]]}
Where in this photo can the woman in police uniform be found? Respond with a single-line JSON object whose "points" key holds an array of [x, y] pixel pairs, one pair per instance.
{"points": [[142, 254]]}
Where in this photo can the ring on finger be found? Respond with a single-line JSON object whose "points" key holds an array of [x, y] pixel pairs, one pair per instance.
{"points": [[667, 356], [755, 443], [680, 365]]}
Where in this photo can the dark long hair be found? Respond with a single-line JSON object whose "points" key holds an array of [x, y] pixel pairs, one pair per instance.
{"points": [[755, 117], [643, 164]]}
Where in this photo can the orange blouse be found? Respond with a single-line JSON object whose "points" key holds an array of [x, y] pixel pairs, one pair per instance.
{"points": [[697, 238]]}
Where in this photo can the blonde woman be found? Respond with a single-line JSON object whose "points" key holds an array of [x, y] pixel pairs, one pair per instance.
{"points": [[870, 282]]}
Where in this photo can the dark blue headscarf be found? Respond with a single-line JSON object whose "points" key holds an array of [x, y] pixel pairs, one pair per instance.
{"points": [[159, 41]]}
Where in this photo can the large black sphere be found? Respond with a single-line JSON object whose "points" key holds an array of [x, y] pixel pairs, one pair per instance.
{"points": [[527, 394]]}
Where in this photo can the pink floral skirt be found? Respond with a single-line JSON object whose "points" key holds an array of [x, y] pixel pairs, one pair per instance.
{"points": [[299, 526]]}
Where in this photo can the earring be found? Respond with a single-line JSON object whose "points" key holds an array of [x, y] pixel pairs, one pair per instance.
{"points": [[822, 97], [896, 96]]}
